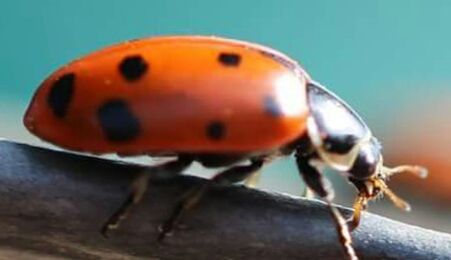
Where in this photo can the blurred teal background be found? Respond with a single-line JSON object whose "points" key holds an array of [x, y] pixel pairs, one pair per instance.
{"points": [[389, 59]]}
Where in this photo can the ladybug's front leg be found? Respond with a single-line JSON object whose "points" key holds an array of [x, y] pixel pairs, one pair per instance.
{"points": [[359, 206], [191, 198], [139, 187], [321, 187]]}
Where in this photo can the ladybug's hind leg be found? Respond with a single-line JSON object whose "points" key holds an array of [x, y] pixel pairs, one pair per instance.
{"points": [[321, 187], [191, 198], [139, 187]]}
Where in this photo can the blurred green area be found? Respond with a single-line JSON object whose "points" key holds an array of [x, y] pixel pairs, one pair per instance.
{"points": [[388, 59]]}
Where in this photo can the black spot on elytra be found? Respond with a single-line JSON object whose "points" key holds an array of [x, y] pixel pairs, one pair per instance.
{"points": [[133, 67], [229, 59], [216, 130], [61, 94], [272, 107], [117, 121]]}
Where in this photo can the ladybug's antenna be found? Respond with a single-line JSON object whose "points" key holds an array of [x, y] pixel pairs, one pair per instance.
{"points": [[399, 203], [414, 169], [387, 172]]}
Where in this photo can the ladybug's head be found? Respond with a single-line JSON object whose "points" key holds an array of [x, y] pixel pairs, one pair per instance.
{"points": [[369, 174], [344, 142]]}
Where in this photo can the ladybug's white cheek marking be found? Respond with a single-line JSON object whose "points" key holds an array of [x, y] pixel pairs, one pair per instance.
{"points": [[313, 132], [290, 95]]}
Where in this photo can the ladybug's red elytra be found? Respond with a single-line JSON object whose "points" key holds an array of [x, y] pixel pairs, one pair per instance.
{"points": [[215, 101]]}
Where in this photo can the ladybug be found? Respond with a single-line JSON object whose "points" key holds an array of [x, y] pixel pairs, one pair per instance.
{"points": [[216, 101]]}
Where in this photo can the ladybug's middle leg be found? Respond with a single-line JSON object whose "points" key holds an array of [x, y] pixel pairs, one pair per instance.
{"points": [[229, 176], [139, 187], [321, 186]]}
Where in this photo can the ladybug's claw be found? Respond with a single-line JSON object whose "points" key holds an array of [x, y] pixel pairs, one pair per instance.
{"points": [[114, 221], [164, 231], [107, 228], [188, 201], [167, 227]]}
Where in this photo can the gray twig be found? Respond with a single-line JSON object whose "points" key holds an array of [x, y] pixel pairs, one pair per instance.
{"points": [[52, 204]]}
